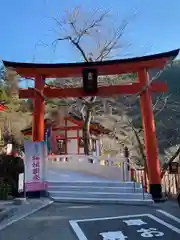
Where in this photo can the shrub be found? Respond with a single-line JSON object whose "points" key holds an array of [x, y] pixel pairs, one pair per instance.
{"points": [[10, 167], [5, 190]]}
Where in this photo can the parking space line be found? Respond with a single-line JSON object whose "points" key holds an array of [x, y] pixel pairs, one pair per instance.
{"points": [[79, 233], [110, 218], [162, 222], [176, 219]]}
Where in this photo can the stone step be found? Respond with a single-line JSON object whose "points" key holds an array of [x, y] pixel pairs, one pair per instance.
{"points": [[100, 194], [94, 183], [95, 188], [104, 201]]}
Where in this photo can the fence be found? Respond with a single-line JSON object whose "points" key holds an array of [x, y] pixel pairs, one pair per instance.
{"points": [[170, 182]]}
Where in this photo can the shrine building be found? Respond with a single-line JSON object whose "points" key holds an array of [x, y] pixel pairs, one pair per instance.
{"points": [[67, 138]]}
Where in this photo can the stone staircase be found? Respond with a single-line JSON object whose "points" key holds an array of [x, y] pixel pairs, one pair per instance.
{"points": [[113, 192]]}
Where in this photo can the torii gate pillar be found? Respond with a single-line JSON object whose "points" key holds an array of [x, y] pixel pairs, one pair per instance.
{"points": [[39, 105], [153, 164]]}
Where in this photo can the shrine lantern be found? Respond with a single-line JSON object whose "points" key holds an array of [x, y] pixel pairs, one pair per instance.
{"points": [[90, 85]]}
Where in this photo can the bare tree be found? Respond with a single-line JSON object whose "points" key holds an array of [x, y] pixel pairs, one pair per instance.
{"points": [[80, 28], [86, 34]]}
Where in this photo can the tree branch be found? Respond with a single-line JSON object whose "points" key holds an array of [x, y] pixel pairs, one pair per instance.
{"points": [[76, 44], [112, 44]]}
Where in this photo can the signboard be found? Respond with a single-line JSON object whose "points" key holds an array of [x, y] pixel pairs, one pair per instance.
{"points": [[90, 84], [173, 168], [53, 142], [35, 165], [47, 135], [47, 132]]}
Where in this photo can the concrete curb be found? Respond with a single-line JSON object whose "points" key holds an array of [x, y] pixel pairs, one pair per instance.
{"points": [[104, 201], [5, 213], [19, 201], [14, 219]]}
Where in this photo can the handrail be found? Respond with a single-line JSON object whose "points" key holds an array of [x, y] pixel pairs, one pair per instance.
{"points": [[143, 182]]}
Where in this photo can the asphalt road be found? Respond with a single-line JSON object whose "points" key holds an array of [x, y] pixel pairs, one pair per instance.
{"points": [[52, 223]]}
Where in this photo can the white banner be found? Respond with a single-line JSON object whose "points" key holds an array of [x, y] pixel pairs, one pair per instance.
{"points": [[35, 165]]}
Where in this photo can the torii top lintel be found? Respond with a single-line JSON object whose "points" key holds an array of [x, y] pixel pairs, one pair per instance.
{"points": [[104, 68]]}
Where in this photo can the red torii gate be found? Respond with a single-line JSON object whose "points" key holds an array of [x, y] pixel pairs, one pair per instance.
{"points": [[138, 65]]}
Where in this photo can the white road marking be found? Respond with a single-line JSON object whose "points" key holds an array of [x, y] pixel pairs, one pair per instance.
{"points": [[81, 236], [110, 218], [79, 233], [162, 222], [176, 219]]}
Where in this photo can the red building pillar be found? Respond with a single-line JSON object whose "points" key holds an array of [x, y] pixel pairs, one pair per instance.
{"points": [[38, 116], [153, 163]]}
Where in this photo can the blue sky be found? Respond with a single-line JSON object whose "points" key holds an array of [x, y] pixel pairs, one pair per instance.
{"points": [[24, 24]]}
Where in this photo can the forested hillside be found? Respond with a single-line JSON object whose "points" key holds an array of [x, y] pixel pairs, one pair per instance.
{"points": [[168, 119]]}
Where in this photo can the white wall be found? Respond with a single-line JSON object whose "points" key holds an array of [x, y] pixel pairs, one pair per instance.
{"points": [[72, 133], [80, 133], [72, 146]]}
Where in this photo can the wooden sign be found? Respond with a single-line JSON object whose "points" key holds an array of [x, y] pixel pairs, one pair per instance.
{"points": [[173, 168], [90, 85]]}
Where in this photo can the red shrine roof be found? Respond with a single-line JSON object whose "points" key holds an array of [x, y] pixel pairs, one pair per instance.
{"points": [[104, 67], [96, 128]]}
